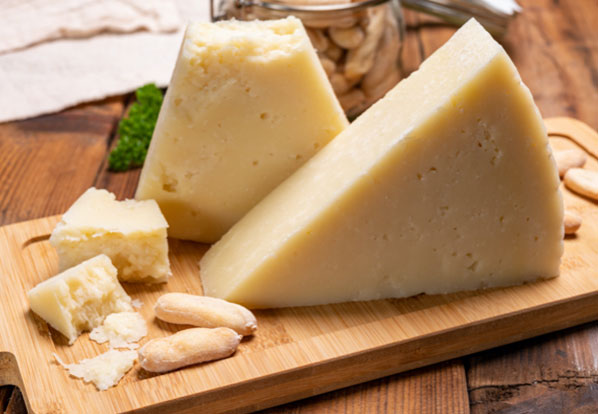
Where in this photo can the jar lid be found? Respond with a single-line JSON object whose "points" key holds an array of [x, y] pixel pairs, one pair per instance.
{"points": [[492, 14], [309, 5], [494, 18]]}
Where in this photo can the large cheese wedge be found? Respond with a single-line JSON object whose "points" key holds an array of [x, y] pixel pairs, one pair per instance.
{"points": [[446, 184], [247, 105]]}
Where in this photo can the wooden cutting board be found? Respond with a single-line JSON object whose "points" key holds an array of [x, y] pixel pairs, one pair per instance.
{"points": [[296, 352]]}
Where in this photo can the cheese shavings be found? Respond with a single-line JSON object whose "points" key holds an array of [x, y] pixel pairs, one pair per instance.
{"points": [[105, 370], [121, 330]]}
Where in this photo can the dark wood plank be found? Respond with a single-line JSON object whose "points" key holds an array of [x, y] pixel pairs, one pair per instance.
{"points": [[122, 184], [437, 389], [555, 373], [554, 44], [424, 35], [47, 162], [16, 405], [5, 393]]}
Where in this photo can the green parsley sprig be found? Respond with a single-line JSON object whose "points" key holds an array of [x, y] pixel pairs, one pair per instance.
{"points": [[136, 130]]}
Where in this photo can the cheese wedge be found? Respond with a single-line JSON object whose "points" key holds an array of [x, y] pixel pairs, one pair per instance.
{"points": [[132, 233], [79, 298], [247, 105], [446, 184]]}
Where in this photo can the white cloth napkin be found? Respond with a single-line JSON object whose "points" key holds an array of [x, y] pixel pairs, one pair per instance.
{"points": [[34, 21], [50, 76]]}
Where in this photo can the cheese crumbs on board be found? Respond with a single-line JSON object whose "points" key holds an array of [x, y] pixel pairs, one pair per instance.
{"points": [[105, 370], [121, 330], [79, 298]]}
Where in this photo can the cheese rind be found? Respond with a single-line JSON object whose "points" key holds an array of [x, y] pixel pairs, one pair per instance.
{"points": [[247, 105], [79, 298], [446, 184], [132, 233]]}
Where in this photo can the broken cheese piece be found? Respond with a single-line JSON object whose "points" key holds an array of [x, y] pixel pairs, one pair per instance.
{"points": [[120, 330], [247, 105], [132, 233], [79, 298], [446, 184], [104, 370]]}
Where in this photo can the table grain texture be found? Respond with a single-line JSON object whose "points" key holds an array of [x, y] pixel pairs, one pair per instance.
{"points": [[47, 162]]}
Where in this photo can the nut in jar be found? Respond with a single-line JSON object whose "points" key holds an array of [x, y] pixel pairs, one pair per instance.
{"points": [[358, 42]]}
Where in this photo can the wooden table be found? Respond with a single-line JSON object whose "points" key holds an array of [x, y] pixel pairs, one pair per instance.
{"points": [[47, 162]]}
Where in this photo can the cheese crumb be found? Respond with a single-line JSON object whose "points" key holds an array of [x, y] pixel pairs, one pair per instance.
{"points": [[121, 330], [105, 370], [79, 298]]}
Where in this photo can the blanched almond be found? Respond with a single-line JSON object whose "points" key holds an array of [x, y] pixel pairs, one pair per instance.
{"points": [[379, 90], [339, 83], [584, 182], [328, 65], [347, 38], [361, 59], [318, 39], [567, 159], [334, 52], [572, 222], [386, 60], [354, 98]]}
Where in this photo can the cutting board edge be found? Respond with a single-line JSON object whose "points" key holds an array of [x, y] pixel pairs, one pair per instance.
{"points": [[577, 310], [387, 359], [383, 355]]}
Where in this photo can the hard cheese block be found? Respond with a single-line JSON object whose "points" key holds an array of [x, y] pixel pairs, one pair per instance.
{"points": [[79, 298], [446, 184], [247, 105], [132, 233]]}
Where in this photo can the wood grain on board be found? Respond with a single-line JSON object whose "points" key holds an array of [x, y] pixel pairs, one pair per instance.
{"points": [[421, 391], [297, 352], [553, 373], [555, 46]]}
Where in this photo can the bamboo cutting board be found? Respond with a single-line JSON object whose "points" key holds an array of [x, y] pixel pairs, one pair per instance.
{"points": [[296, 352]]}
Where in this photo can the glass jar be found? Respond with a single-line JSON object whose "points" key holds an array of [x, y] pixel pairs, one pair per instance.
{"points": [[359, 43]]}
